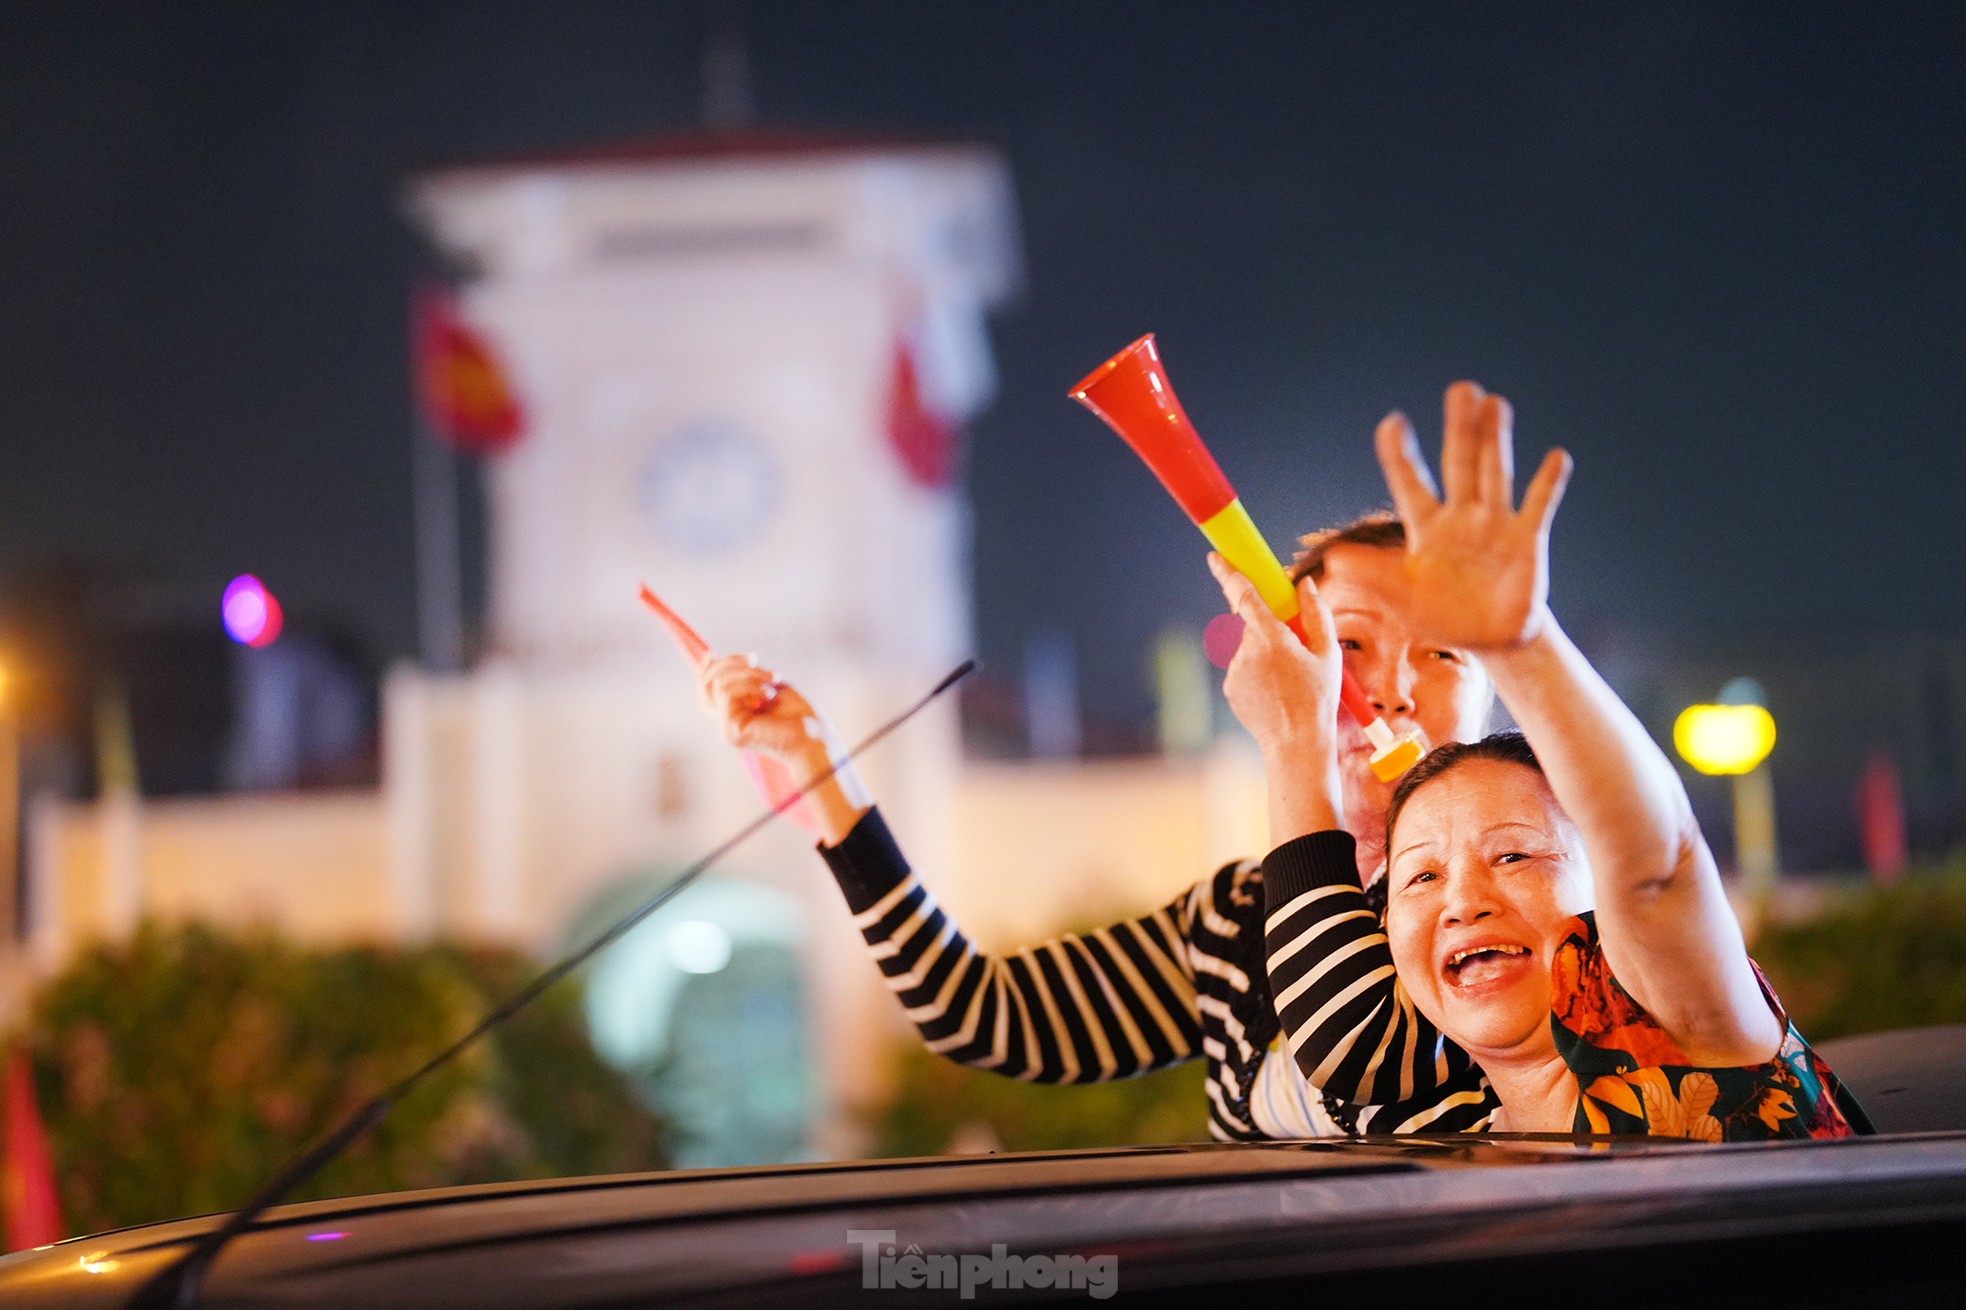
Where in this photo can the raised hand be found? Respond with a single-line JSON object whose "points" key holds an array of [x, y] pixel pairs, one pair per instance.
{"points": [[760, 713], [1478, 566], [1279, 689], [1286, 694]]}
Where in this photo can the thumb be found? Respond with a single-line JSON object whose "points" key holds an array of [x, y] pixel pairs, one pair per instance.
{"points": [[1238, 591]]}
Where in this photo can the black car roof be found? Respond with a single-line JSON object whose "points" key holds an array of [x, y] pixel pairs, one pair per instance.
{"points": [[1325, 1209]]}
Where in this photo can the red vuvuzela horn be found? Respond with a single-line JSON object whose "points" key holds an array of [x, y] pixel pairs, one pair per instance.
{"points": [[1132, 394]]}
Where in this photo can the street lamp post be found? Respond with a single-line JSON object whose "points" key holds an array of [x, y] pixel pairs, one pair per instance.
{"points": [[1733, 740], [13, 928]]}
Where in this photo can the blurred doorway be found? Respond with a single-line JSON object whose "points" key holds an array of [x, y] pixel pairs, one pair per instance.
{"points": [[702, 1006]]}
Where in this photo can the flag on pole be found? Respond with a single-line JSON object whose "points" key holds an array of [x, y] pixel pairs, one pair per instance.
{"points": [[1880, 806], [926, 442], [461, 387], [27, 1167], [119, 811]]}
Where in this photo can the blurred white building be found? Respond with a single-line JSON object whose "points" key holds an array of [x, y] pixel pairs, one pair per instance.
{"points": [[706, 336]]}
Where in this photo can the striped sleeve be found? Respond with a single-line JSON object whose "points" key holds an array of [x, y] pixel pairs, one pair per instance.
{"points": [[1349, 1023], [1081, 1008]]}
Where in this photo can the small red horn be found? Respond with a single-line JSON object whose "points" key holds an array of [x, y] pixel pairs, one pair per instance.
{"points": [[1131, 393]]}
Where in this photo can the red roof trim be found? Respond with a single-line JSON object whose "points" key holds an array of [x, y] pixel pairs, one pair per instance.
{"points": [[678, 147]]}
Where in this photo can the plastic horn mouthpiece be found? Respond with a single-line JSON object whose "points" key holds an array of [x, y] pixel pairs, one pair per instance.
{"points": [[1131, 392], [1391, 756]]}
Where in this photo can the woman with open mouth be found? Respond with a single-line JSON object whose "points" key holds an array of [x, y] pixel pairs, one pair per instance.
{"points": [[1556, 947]]}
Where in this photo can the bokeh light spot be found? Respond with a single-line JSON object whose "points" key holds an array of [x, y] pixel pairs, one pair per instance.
{"points": [[698, 946], [252, 616], [1220, 639], [1723, 739]]}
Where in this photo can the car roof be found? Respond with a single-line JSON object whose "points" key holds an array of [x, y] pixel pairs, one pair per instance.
{"points": [[1319, 1210]]}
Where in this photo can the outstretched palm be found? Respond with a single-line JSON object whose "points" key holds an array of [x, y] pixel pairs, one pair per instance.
{"points": [[1478, 567]]}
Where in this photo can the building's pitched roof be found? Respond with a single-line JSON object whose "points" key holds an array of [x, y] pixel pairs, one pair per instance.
{"points": [[699, 144]]}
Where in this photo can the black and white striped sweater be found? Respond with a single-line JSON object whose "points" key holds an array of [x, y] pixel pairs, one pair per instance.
{"points": [[1346, 1018], [1184, 982]]}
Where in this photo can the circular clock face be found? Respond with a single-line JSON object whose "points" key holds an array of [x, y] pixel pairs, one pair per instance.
{"points": [[709, 487]]}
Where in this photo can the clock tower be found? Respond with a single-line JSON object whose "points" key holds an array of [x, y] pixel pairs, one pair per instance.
{"points": [[743, 360]]}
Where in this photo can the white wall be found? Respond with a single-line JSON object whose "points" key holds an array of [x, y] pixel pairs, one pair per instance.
{"points": [[313, 865]]}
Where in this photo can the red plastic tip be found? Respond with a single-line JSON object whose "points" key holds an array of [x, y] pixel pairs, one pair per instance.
{"points": [[1353, 698], [694, 648]]}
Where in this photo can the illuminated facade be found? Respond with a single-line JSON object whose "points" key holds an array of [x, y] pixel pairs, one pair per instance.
{"points": [[742, 365]]}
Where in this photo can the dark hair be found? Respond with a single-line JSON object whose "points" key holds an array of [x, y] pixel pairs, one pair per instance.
{"points": [[1509, 747], [1379, 528]]}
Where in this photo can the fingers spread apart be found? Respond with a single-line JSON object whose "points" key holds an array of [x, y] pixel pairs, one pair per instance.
{"points": [[1460, 444], [1495, 448], [1477, 459], [1545, 491], [1414, 493]]}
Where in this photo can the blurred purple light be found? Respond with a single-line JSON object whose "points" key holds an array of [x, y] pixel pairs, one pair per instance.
{"points": [[1220, 639], [325, 1237], [252, 616]]}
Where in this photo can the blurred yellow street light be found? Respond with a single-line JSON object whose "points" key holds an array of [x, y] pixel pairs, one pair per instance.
{"points": [[1731, 739], [1724, 739]]}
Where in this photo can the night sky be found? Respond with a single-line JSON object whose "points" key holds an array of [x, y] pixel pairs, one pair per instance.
{"points": [[1717, 252]]}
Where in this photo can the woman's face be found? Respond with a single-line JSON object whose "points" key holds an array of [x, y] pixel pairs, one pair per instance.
{"points": [[1413, 682], [1485, 874]]}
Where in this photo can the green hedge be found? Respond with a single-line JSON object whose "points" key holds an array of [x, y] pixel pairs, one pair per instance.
{"points": [[177, 1071], [1878, 958], [934, 1098]]}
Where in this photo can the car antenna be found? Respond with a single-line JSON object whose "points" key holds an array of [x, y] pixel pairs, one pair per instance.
{"points": [[179, 1285]]}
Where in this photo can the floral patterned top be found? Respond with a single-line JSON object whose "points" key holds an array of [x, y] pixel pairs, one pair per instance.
{"points": [[1632, 1077], [1357, 1034]]}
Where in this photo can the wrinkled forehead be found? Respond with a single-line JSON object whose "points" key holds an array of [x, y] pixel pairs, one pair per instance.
{"points": [[1366, 580], [1472, 800]]}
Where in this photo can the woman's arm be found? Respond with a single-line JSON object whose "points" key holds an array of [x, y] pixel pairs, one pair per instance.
{"points": [[1080, 1008], [1479, 575], [1348, 1023], [1084, 1007], [1350, 1026], [1669, 934]]}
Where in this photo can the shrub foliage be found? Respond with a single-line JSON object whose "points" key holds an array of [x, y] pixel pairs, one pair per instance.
{"points": [[178, 1070], [935, 1099], [1882, 958]]}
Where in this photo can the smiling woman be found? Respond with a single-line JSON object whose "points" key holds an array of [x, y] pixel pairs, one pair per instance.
{"points": [[1514, 884], [1474, 944], [1514, 950]]}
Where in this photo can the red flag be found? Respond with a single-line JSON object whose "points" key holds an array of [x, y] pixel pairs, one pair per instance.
{"points": [[926, 442], [460, 385], [1881, 818], [27, 1167]]}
